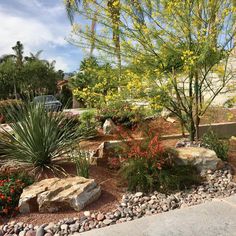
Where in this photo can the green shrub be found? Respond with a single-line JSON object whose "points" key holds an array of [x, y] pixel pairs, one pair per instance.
{"points": [[121, 112], [88, 124], [174, 178], [211, 141], [149, 167], [39, 137], [82, 162], [11, 187], [137, 174]]}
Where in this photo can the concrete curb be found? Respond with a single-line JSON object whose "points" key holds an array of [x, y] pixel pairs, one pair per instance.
{"points": [[216, 218]]}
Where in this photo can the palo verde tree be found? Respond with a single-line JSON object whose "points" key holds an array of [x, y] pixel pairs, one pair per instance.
{"points": [[181, 46], [93, 82]]}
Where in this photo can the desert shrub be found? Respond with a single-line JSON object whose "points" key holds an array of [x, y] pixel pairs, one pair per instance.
{"points": [[211, 141], [7, 106], [149, 166], [88, 124], [172, 178], [121, 112], [82, 162], [136, 172], [145, 159], [11, 187], [39, 137]]}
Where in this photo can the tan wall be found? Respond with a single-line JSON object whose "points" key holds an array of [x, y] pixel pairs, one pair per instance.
{"points": [[223, 130]]}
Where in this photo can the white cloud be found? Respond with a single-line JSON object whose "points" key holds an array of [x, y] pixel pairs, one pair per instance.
{"points": [[38, 27], [61, 63], [31, 31]]}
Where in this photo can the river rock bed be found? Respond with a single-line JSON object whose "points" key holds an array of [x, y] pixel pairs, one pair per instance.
{"points": [[218, 184]]}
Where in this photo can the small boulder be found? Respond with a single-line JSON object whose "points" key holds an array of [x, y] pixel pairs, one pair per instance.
{"points": [[109, 127], [201, 158], [53, 195], [171, 120], [165, 113]]}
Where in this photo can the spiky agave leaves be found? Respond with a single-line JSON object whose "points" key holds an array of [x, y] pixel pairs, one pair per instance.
{"points": [[38, 137]]}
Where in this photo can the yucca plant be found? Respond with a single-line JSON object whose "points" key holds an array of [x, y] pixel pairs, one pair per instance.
{"points": [[38, 137]]}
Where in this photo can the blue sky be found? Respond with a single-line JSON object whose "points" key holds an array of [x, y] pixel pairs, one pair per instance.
{"points": [[39, 25]]}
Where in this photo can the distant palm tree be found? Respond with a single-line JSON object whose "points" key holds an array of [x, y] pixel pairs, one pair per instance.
{"points": [[114, 9], [34, 57], [19, 51], [17, 57], [71, 7], [51, 64]]}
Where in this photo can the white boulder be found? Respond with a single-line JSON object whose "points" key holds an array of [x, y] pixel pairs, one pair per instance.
{"points": [[53, 195], [201, 158], [109, 127]]}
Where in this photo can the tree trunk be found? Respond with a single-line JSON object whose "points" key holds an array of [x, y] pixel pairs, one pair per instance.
{"points": [[191, 118], [192, 131], [182, 128], [197, 120]]}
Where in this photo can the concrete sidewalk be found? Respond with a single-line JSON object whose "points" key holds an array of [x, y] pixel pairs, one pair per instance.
{"points": [[216, 218]]}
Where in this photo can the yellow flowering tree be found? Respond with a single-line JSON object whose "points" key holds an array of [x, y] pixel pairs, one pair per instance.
{"points": [[177, 46], [93, 82]]}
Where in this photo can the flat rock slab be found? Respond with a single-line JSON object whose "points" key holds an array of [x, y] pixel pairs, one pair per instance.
{"points": [[201, 158], [53, 195], [215, 218]]}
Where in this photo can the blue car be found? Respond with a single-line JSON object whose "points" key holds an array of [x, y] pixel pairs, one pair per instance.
{"points": [[49, 101]]}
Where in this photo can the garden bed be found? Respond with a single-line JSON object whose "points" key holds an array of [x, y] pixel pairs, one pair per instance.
{"points": [[115, 206]]}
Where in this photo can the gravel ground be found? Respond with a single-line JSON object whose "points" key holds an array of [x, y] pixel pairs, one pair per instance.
{"points": [[218, 184]]}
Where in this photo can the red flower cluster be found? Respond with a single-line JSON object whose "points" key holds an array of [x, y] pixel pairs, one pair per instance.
{"points": [[10, 191], [149, 147]]}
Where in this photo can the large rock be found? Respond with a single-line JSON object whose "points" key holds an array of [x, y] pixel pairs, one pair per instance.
{"points": [[109, 127], [202, 158], [53, 195]]}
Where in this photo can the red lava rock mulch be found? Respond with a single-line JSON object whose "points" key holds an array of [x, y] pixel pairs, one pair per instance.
{"points": [[110, 196]]}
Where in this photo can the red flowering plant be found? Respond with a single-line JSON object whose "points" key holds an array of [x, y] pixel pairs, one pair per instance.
{"points": [[144, 159], [11, 187], [148, 165]]}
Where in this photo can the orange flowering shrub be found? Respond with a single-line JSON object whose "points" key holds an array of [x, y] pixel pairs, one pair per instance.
{"points": [[143, 160], [11, 187], [149, 166]]}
